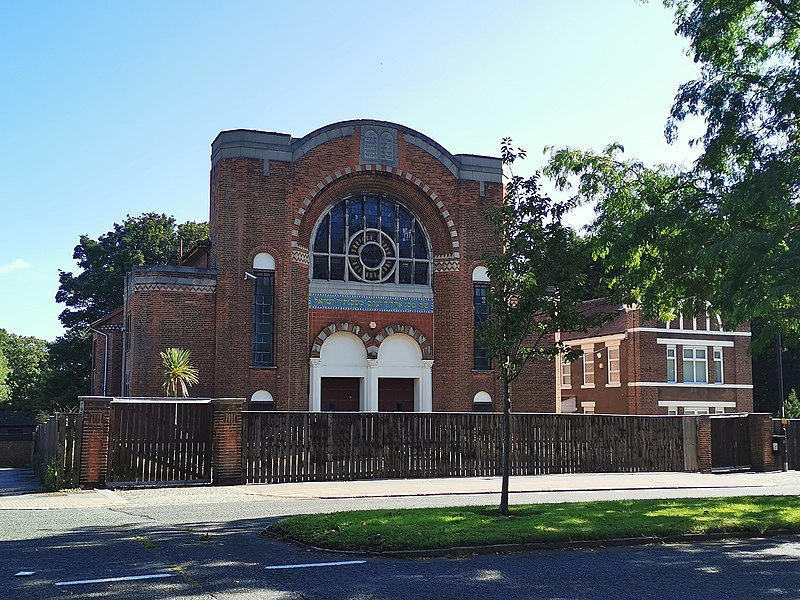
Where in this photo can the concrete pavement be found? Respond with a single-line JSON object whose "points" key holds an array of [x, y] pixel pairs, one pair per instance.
{"points": [[420, 492]]}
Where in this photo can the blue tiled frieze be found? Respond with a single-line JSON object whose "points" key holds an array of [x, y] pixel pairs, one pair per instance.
{"points": [[373, 303]]}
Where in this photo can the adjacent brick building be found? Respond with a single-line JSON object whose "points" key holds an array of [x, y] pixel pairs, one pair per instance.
{"points": [[343, 272], [635, 366]]}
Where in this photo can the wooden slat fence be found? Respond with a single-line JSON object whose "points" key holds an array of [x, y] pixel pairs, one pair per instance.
{"points": [[287, 447], [57, 451], [159, 441]]}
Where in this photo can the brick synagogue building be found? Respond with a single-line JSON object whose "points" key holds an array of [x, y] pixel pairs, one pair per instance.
{"points": [[344, 272], [341, 273]]}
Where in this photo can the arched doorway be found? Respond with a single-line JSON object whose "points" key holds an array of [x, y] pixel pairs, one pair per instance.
{"points": [[399, 374], [343, 378], [341, 373]]}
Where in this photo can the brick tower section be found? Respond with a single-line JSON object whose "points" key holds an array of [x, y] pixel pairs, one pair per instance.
{"points": [[268, 192]]}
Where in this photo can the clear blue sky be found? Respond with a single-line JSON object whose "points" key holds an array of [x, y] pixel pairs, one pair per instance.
{"points": [[109, 108]]}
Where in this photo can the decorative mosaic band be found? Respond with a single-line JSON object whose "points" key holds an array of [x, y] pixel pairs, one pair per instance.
{"points": [[445, 264], [175, 287], [300, 255], [371, 303]]}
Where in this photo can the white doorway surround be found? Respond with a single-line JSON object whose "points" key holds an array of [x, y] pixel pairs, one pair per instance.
{"points": [[399, 357]]}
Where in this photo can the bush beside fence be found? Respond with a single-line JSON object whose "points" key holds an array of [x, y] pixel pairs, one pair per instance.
{"points": [[57, 451]]}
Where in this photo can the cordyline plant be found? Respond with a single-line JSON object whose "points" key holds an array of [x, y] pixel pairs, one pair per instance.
{"points": [[179, 374], [538, 287]]}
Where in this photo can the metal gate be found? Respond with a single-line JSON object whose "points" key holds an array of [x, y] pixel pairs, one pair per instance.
{"points": [[160, 441], [730, 442]]}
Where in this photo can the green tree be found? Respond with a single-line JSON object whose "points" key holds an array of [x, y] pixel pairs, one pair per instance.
{"points": [[27, 369], [538, 286], [726, 231], [5, 391], [179, 374], [792, 405], [69, 367], [148, 239]]}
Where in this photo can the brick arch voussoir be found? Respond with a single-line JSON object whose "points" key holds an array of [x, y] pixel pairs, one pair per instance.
{"points": [[300, 251], [411, 331], [339, 326]]}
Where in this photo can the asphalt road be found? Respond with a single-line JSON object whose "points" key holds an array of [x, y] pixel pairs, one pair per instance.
{"points": [[199, 544]]}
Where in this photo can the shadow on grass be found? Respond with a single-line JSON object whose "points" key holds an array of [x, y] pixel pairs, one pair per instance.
{"points": [[479, 526]]}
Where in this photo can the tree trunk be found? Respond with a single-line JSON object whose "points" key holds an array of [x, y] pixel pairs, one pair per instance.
{"points": [[506, 467]]}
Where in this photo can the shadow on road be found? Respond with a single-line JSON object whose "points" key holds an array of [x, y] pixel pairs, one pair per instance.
{"points": [[208, 560], [15, 482]]}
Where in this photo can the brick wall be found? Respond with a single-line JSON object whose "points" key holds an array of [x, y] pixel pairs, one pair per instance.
{"points": [[227, 441], [94, 441], [163, 319]]}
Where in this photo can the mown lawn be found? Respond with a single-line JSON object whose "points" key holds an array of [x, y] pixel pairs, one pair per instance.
{"points": [[385, 530]]}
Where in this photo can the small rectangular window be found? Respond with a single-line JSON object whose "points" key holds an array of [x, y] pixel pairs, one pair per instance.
{"points": [[695, 365], [566, 373], [480, 307], [718, 372], [588, 366], [264, 319], [671, 364], [613, 364]]}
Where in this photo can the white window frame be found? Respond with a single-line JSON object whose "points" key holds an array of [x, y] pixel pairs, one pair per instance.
{"points": [[566, 373], [672, 357], [613, 377], [588, 352], [717, 351], [695, 361]]}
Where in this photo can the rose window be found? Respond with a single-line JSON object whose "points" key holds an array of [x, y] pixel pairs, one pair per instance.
{"points": [[371, 238]]}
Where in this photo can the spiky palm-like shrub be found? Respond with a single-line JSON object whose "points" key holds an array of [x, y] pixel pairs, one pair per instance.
{"points": [[179, 374]]}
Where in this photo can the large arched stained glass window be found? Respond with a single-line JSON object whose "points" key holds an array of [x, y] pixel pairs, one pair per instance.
{"points": [[371, 237]]}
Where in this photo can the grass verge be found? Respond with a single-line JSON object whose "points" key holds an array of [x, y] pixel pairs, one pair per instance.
{"points": [[435, 528]]}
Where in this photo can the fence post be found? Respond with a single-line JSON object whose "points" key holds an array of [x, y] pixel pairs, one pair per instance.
{"points": [[704, 443], [691, 446], [96, 411], [227, 441], [760, 428]]}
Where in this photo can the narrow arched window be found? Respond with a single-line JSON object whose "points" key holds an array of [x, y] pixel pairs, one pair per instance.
{"points": [[264, 310], [372, 238], [480, 311]]}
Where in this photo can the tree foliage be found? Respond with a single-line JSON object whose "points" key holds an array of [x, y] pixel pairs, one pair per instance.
{"points": [[726, 231], [792, 405], [5, 391], [69, 365], [26, 358], [148, 239], [538, 284]]}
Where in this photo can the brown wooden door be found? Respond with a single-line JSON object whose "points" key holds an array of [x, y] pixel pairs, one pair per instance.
{"points": [[395, 394], [340, 393], [730, 442]]}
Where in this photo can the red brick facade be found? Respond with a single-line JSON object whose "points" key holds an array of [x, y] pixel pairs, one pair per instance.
{"points": [[644, 385], [268, 195]]}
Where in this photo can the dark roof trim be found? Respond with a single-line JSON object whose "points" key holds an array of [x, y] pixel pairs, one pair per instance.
{"points": [[282, 147]]}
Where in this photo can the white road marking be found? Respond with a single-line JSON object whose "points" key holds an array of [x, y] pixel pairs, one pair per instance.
{"points": [[113, 579], [325, 564]]}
